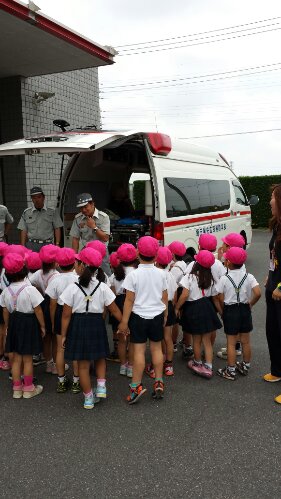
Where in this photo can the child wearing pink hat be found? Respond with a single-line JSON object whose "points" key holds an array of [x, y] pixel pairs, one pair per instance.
{"points": [[145, 313], [65, 258], [4, 358], [127, 257], [33, 263], [83, 330], [164, 258], [199, 316], [40, 279], [238, 292], [25, 325]]}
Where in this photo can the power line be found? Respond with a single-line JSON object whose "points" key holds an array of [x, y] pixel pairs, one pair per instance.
{"points": [[201, 32], [234, 133]]}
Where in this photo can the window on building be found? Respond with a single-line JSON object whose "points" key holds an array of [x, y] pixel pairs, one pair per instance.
{"points": [[239, 193], [188, 196]]}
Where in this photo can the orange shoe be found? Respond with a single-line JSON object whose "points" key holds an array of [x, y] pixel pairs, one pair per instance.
{"points": [[168, 370], [135, 394], [278, 399], [149, 370], [270, 378], [158, 390]]}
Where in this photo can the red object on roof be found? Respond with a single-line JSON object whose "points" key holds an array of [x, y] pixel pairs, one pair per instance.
{"points": [[159, 143]]}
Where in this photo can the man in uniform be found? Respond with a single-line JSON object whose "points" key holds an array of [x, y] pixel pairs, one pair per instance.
{"points": [[90, 224], [6, 221], [39, 225]]}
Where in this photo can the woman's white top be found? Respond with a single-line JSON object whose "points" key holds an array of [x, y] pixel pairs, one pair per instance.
{"points": [[118, 285], [73, 297], [41, 281], [28, 298], [148, 284], [225, 286], [178, 270], [59, 284], [190, 282]]}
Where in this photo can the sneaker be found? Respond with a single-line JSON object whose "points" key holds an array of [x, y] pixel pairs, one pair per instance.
{"points": [[27, 394], [278, 399], [206, 371], [129, 371], [270, 378], [38, 360], [89, 402], [196, 368], [239, 352], [175, 347], [75, 387], [17, 392], [63, 386], [5, 365], [222, 354], [49, 366], [227, 374], [149, 370], [181, 343], [187, 352], [158, 390], [135, 394], [242, 368], [113, 357], [100, 392], [168, 370], [123, 369]]}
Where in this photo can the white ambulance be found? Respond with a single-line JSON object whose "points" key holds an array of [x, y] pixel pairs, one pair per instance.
{"points": [[190, 189]]}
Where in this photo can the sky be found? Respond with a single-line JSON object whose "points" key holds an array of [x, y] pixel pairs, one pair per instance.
{"points": [[203, 70]]}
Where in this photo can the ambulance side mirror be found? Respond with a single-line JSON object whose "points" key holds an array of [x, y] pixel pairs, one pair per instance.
{"points": [[253, 200], [148, 199]]}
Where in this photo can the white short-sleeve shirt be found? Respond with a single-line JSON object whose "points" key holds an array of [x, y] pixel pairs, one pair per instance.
{"points": [[217, 269], [190, 282], [148, 284], [171, 284], [225, 287], [41, 281], [56, 286], [178, 270], [26, 301], [73, 297], [118, 285]]}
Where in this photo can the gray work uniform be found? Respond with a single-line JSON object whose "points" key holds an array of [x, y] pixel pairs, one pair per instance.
{"points": [[40, 226], [80, 230], [5, 218]]}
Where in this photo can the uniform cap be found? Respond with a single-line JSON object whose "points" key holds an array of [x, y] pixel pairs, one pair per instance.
{"points": [[98, 246], [235, 255], [178, 248], [148, 246], [90, 257], [127, 253], [36, 190], [13, 263], [3, 247], [49, 253], [208, 242], [66, 256], [83, 199], [114, 260], [234, 239], [16, 248], [205, 258], [33, 261], [164, 256]]}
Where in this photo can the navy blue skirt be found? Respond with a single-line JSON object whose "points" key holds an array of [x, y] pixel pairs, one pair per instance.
{"points": [[199, 317], [237, 318], [86, 338], [119, 300], [24, 335], [172, 318], [58, 314], [45, 305]]}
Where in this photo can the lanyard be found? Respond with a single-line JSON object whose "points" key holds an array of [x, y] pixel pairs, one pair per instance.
{"points": [[88, 298], [237, 288]]}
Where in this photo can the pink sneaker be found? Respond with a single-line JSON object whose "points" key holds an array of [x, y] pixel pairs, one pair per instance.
{"points": [[196, 368], [206, 372], [6, 366]]}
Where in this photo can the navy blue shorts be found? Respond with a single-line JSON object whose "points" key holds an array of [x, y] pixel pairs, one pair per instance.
{"points": [[146, 329], [237, 319]]}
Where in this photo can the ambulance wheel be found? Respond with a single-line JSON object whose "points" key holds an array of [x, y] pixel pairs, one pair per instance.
{"points": [[243, 234]]}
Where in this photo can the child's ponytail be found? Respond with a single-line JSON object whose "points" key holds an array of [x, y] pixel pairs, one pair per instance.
{"points": [[88, 273], [119, 272], [204, 276]]}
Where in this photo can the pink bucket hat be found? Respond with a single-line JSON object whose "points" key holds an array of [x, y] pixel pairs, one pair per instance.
{"points": [[178, 248], [127, 253], [205, 258], [98, 246], [91, 257], [234, 239], [33, 261], [164, 256], [208, 242], [114, 260], [66, 256], [49, 253], [148, 246], [3, 248], [13, 263], [235, 255], [16, 249]]}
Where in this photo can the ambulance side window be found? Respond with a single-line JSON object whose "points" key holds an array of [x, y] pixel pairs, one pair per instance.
{"points": [[240, 195]]}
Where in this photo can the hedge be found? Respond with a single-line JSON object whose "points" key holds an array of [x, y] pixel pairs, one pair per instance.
{"points": [[260, 186]]}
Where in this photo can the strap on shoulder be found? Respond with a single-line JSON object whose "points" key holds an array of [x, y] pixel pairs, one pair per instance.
{"points": [[88, 298]]}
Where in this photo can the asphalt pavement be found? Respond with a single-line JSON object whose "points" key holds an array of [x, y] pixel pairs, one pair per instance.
{"points": [[211, 439]]}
